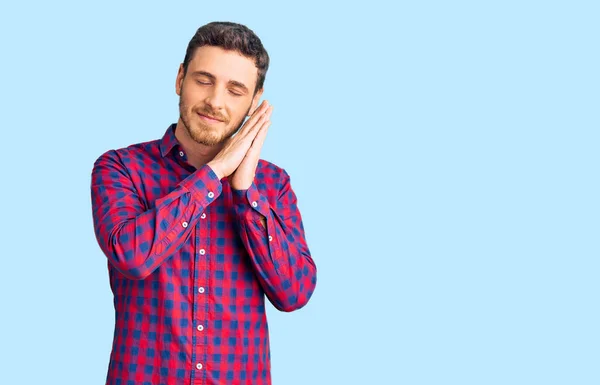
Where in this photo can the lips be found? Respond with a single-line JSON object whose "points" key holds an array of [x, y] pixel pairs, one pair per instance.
{"points": [[209, 119]]}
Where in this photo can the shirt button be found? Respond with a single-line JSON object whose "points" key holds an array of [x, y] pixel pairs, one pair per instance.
{"points": [[184, 224], [270, 238], [200, 327], [211, 194], [200, 289], [203, 215], [181, 153], [199, 366], [254, 204], [202, 251]]}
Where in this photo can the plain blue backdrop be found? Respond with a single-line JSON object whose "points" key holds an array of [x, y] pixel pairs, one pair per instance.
{"points": [[444, 154]]}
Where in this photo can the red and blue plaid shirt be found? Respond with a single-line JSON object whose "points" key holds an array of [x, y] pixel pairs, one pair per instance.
{"points": [[190, 262]]}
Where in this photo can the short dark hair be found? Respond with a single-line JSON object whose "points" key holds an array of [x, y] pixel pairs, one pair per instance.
{"points": [[232, 37]]}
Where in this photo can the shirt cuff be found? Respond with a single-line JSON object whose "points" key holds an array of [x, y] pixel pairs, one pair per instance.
{"points": [[250, 201], [204, 185]]}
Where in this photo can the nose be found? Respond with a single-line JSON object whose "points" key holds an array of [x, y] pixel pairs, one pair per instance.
{"points": [[215, 99]]}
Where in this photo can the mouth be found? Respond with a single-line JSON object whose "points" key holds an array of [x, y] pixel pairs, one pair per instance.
{"points": [[209, 119]]}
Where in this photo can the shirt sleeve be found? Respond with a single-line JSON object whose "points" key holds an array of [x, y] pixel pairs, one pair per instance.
{"points": [[137, 239], [279, 252]]}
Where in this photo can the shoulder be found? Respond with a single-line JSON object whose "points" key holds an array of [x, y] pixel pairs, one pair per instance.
{"points": [[134, 152], [269, 170], [271, 178]]}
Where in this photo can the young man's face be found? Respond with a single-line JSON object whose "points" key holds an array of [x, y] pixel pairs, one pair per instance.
{"points": [[219, 84]]}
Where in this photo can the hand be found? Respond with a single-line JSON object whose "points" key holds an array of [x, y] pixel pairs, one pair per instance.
{"points": [[236, 149], [242, 177]]}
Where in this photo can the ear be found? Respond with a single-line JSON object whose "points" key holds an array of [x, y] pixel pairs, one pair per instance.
{"points": [[179, 80], [255, 101]]}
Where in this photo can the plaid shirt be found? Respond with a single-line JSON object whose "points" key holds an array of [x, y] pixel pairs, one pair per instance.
{"points": [[190, 262]]}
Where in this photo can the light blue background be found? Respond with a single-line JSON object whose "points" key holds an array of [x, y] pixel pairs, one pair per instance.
{"points": [[445, 157]]}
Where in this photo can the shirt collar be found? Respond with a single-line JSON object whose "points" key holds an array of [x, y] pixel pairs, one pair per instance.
{"points": [[168, 140]]}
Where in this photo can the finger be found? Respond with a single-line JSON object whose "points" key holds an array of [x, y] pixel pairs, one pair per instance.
{"points": [[262, 107], [263, 120], [249, 135], [259, 140], [260, 114], [256, 115], [252, 129]]}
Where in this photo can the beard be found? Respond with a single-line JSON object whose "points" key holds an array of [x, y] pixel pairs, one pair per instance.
{"points": [[203, 133]]}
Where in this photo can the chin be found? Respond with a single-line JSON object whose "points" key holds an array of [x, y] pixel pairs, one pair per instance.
{"points": [[207, 140], [205, 137]]}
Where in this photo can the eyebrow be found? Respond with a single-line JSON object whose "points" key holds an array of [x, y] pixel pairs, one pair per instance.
{"points": [[212, 77]]}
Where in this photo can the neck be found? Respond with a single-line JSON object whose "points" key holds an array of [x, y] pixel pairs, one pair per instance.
{"points": [[197, 154]]}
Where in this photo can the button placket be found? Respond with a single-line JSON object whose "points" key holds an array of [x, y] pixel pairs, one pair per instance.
{"points": [[202, 290], [200, 318]]}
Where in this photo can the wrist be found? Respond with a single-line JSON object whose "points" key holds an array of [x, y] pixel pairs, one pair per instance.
{"points": [[216, 169], [241, 186], [238, 182]]}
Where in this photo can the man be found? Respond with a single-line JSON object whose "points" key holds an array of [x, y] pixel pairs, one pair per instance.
{"points": [[197, 229]]}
